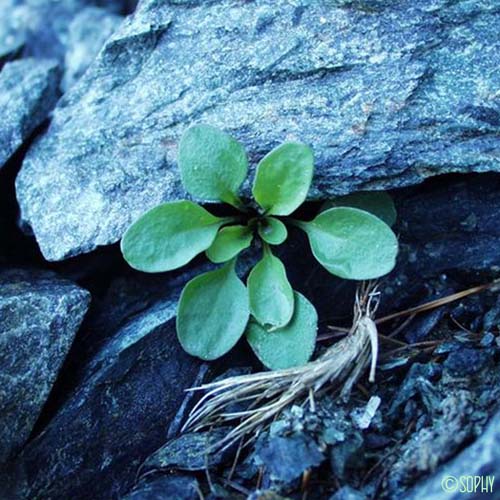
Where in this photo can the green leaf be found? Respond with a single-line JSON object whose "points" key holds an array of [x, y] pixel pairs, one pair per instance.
{"points": [[213, 313], [230, 241], [271, 296], [169, 236], [213, 165], [283, 178], [352, 243], [272, 231], [290, 346], [378, 203]]}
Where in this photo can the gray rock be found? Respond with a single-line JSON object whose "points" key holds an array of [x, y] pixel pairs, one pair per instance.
{"points": [[467, 361], [266, 495], [87, 33], [189, 452], [286, 458], [166, 488], [12, 35], [39, 316], [386, 96], [28, 92], [482, 459], [450, 226], [347, 455], [41, 27], [348, 493], [124, 398]]}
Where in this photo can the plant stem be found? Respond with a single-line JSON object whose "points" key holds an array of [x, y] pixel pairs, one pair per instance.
{"points": [[297, 223], [235, 201]]}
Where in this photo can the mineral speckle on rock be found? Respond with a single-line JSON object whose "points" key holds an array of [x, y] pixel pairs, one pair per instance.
{"points": [[385, 96], [40, 28], [87, 33], [28, 92], [40, 314], [125, 397]]}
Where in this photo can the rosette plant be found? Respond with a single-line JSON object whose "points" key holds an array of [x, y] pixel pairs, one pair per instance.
{"points": [[216, 308]]}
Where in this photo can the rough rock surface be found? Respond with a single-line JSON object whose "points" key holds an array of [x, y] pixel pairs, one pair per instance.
{"points": [[124, 400], [39, 316], [451, 225], [87, 33], [166, 487], [12, 37], [28, 92], [482, 459], [40, 28], [386, 95]]}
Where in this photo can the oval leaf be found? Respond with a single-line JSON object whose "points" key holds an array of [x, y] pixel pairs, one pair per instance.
{"points": [[229, 242], [290, 346], [213, 313], [272, 231], [213, 165], [169, 236], [283, 178], [378, 203], [352, 243], [271, 296]]}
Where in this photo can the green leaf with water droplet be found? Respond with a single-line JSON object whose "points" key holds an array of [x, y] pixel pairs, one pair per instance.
{"points": [[213, 165], [290, 346], [378, 203], [213, 313], [271, 295], [283, 178], [230, 241], [272, 231], [352, 243], [168, 236]]}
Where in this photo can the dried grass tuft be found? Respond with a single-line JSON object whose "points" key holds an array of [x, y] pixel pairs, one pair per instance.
{"points": [[269, 393]]}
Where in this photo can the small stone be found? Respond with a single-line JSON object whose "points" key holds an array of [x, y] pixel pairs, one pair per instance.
{"points": [[362, 417], [348, 493], [286, 458], [166, 488], [488, 340], [332, 435], [189, 452], [347, 455], [467, 361], [266, 495]]}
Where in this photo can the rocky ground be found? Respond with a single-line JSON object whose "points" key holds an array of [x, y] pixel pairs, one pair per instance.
{"points": [[94, 96]]}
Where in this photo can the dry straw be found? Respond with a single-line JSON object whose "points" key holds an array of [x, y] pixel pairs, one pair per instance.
{"points": [[266, 394]]}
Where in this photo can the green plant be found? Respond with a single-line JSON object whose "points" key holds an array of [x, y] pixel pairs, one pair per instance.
{"points": [[216, 308]]}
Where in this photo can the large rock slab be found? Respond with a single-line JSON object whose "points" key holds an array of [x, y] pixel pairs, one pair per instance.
{"points": [[28, 92], [123, 401], [39, 316], [386, 95]]}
